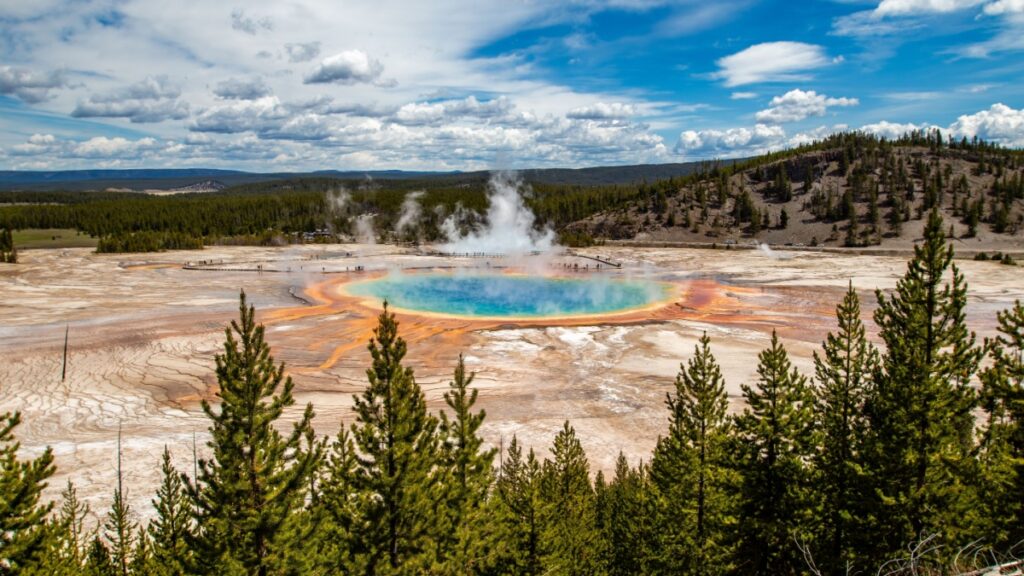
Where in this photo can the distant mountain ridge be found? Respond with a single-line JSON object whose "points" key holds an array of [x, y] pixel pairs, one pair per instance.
{"points": [[176, 178]]}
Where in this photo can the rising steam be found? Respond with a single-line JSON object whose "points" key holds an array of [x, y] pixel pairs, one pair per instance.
{"points": [[337, 200], [767, 251], [510, 223], [410, 213], [365, 233]]}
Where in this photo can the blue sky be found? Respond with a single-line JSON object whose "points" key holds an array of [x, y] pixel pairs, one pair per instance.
{"points": [[460, 84]]}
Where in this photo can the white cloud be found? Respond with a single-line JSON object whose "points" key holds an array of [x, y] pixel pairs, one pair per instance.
{"points": [[1000, 7], [891, 130], [307, 126], [372, 110], [44, 151], [999, 123], [37, 145], [811, 136], [797, 105], [771, 62], [914, 96], [42, 139], [866, 23], [1010, 37], [136, 111], [302, 52], [150, 88], [101, 146], [699, 17], [242, 23], [153, 99], [894, 17], [910, 7], [94, 148], [730, 143], [433, 113], [743, 95], [242, 89], [28, 85], [602, 111], [242, 116], [348, 67]]}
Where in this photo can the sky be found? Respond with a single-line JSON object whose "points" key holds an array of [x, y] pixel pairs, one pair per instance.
{"points": [[298, 85]]}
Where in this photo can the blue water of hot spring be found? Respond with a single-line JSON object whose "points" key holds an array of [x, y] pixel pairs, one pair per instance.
{"points": [[512, 296]]}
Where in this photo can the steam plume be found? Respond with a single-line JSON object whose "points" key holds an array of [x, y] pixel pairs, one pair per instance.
{"points": [[364, 229], [410, 213], [338, 199], [510, 223]]}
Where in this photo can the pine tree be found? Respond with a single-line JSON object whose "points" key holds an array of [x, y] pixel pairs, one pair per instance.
{"points": [[468, 470], [142, 555], [248, 496], [782, 187], [8, 252], [22, 534], [874, 215], [338, 508], [689, 470], [625, 517], [852, 231], [843, 374], [66, 539], [1001, 457], [920, 406], [120, 526], [397, 447], [775, 433], [755, 222], [895, 215], [520, 514], [570, 541], [98, 561], [171, 529]]}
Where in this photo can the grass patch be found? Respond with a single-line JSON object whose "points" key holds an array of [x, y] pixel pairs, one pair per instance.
{"points": [[52, 238]]}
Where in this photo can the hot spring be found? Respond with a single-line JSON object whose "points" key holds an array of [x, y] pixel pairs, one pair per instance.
{"points": [[510, 295]]}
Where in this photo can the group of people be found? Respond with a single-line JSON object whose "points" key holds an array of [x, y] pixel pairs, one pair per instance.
{"points": [[575, 266]]}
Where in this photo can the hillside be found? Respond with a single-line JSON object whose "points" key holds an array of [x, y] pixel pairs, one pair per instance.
{"points": [[849, 190]]}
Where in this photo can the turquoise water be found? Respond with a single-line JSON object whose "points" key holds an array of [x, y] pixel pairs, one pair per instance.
{"points": [[500, 295]]}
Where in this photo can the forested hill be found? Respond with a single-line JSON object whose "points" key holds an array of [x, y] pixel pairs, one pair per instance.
{"points": [[848, 190]]}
